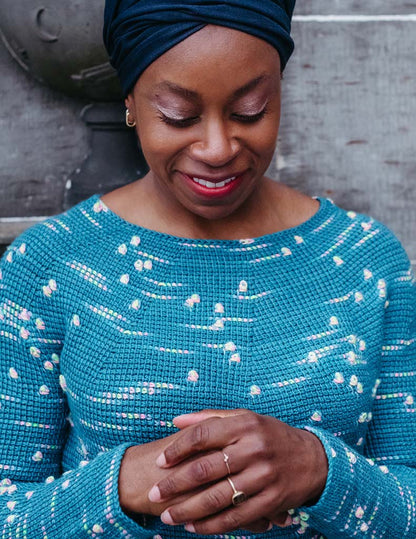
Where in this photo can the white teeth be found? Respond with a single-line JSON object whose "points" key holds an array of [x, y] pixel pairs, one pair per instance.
{"points": [[212, 185]]}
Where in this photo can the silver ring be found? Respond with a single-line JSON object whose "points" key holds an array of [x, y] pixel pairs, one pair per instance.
{"points": [[226, 459], [239, 496]]}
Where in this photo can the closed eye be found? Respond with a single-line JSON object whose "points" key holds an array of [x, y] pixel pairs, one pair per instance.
{"points": [[188, 122], [178, 122], [250, 118]]}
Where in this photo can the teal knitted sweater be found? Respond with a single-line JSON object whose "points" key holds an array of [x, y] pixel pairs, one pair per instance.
{"points": [[109, 330]]}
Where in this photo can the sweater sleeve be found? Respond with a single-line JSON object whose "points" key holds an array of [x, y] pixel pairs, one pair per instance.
{"points": [[374, 495], [36, 499]]}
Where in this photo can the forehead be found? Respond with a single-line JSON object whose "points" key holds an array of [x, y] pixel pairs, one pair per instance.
{"points": [[214, 58]]}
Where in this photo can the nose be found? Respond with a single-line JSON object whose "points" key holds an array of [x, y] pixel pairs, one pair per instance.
{"points": [[217, 144]]}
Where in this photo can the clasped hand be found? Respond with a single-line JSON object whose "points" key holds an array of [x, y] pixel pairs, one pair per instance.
{"points": [[277, 466]]}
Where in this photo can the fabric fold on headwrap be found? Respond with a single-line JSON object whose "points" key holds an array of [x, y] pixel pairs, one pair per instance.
{"points": [[137, 32]]}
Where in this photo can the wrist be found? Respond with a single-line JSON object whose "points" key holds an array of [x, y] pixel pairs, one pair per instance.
{"points": [[318, 469], [132, 486]]}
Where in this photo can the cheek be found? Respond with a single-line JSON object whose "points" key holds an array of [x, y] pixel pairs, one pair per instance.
{"points": [[158, 141], [264, 139], [157, 145]]}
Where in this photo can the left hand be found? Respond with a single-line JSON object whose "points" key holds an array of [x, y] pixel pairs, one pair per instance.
{"points": [[277, 466]]}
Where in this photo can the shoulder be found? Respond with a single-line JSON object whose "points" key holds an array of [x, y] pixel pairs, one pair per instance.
{"points": [[371, 240], [35, 253], [46, 241]]}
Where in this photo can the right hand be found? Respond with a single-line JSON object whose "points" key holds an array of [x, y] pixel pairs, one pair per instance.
{"points": [[138, 473]]}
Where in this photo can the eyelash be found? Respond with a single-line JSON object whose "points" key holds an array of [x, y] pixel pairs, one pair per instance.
{"points": [[188, 122]]}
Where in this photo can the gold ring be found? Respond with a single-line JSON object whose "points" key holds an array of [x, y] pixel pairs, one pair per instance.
{"points": [[238, 497], [226, 459]]}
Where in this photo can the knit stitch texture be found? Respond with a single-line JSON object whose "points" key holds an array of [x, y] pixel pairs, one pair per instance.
{"points": [[109, 330]]}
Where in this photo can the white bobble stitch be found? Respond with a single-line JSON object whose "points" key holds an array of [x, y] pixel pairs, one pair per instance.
{"points": [[62, 382], [52, 285], [38, 456], [243, 286], [44, 390], [359, 513]]}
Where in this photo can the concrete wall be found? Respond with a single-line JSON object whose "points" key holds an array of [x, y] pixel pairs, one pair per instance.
{"points": [[348, 128]]}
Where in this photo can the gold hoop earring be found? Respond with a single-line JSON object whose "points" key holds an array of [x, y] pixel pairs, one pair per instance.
{"points": [[129, 123]]}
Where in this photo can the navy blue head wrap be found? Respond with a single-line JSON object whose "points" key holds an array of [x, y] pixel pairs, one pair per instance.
{"points": [[137, 32]]}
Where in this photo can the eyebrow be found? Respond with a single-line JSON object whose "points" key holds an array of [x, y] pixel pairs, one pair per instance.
{"points": [[194, 96]]}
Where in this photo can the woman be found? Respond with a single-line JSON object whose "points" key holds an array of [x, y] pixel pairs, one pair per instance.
{"points": [[231, 354]]}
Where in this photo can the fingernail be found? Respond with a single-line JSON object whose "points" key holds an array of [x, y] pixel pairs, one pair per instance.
{"points": [[166, 518], [154, 494], [190, 528], [161, 460], [269, 527], [288, 521]]}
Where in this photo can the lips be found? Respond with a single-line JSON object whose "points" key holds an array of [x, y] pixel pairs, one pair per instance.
{"points": [[213, 187]]}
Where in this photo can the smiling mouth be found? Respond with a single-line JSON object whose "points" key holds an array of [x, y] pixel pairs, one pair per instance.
{"points": [[214, 185]]}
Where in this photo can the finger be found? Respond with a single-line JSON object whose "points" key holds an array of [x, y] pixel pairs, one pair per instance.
{"points": [[199, 471], [230, 519], [283, 520], [186, 420], [260, 526], [212, 500], [207, 435]]}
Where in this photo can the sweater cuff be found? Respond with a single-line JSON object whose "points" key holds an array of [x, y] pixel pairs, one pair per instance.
{"points": [[88, 498], [339, 511]]}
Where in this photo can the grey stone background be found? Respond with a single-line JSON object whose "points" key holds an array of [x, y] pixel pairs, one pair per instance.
{"points": [[348, 127]]}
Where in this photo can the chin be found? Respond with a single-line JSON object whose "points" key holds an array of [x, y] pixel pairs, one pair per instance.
{"points": [[213, 213]]}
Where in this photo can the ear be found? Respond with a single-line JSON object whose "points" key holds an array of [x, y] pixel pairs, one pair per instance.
{"points": [[129, 102]]}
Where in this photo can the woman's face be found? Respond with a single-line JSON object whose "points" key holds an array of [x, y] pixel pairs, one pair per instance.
{"points": [[207, 115]]}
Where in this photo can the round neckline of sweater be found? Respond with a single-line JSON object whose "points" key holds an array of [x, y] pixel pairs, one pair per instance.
{"points": [[323, 213]]}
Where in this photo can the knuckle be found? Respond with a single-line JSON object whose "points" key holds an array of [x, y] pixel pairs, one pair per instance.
{"points": [[199, 435], [232, 521], [178, 514], [215, 500], [172, 452], [260, 449], [268, 471], [167, 486], [253, 421], [201, 470]]}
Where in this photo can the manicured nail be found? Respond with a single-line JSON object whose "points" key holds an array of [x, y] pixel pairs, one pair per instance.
{"points": [[154, 494], [166, 518], [161, 460], [190, 528]]}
